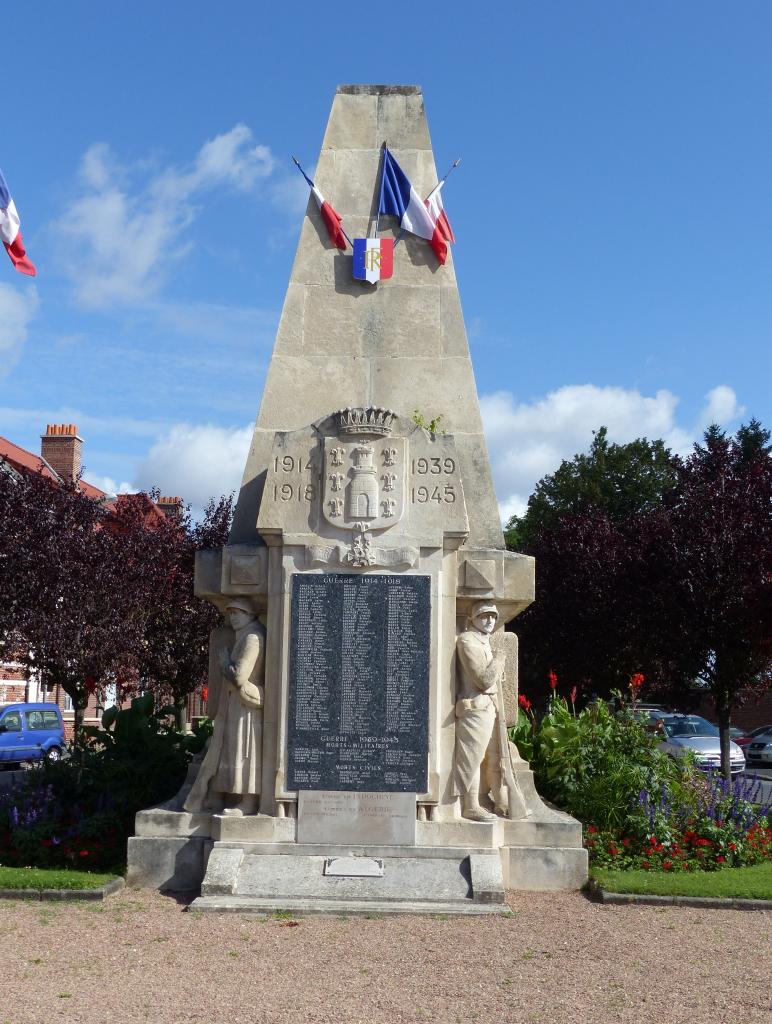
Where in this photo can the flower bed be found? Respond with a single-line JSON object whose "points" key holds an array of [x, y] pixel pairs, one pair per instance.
{"points": [[641, 810]]}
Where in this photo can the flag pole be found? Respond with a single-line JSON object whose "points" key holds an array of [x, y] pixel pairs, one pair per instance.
{"points": [[296, 162], [380, 190], [442, 181]]}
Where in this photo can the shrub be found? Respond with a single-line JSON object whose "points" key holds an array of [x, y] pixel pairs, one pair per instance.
{"points": [[640, 809], [595, 763], [78, 812]]}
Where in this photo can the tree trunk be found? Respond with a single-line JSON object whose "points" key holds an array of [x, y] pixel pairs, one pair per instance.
{"points": [[79, 713], [723, 712], [180, 715]]}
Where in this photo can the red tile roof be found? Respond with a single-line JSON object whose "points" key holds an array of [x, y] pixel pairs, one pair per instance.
{"points": [[21, 459]]}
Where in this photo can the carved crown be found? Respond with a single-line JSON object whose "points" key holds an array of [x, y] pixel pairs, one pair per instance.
{"points": [[372, 420]]}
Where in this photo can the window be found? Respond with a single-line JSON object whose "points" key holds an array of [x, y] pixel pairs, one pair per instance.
{"points": [[42, 720], [68, 702], [12, 722]]}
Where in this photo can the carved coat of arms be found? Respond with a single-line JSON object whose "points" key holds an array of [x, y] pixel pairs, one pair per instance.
{"points": [[363, 485]]}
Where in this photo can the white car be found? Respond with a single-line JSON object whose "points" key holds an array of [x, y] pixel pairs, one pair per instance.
{"points": [[759, 751], [701, 737]]}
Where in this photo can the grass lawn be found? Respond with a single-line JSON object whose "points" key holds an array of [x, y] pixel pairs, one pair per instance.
{"points": [[754, 883], [50, 878]]}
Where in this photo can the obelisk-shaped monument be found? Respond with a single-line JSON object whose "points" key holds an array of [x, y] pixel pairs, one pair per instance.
{"points": [[400, 344], [362, 688]]}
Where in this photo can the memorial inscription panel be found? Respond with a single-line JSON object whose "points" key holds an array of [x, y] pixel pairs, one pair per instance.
{"points": [[359, 683]]}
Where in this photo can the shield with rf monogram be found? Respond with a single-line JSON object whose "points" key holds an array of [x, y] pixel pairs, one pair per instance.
{"points": [[373, 259]]}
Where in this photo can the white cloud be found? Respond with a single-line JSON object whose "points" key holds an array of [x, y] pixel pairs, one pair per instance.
{"points": [[18, 307], [196, 462], [111, 486], [117, 244], [721, 407], [35, 418], [527, 440]]}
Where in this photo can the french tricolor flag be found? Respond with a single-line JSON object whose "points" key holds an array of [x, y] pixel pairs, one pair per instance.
{"points": [[331, 219], [443, 232], [427, 219], [400, 199], [10, 233], [329, 216]]}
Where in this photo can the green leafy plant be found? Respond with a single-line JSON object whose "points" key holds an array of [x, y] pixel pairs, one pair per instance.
{"points": [[432, 425], [594, 763], [640, 809], [78, 812]]}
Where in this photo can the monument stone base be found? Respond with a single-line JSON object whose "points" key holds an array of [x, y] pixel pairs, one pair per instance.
{"points": [[262, 864], [305, 879]]}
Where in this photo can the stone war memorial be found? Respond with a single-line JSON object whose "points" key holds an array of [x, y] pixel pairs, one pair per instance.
{"points": [[362, 681]]}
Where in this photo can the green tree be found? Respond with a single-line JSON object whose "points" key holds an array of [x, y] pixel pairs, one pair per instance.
{"points": [[708, 570], [620, 479]]}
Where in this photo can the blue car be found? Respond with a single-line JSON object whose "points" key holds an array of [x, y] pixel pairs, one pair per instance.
{"points": [[30, 732]]}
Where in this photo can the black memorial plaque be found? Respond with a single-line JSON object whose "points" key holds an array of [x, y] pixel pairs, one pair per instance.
{"points": [[359, 683]]}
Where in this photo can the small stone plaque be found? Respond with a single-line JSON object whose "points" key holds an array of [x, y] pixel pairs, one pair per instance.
{"points": [[357, 819], [354, 867], [359, 683]]}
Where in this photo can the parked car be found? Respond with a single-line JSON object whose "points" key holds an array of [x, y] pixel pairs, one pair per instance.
{"points": [[759, 750], [747, 738], [701, 737], [30, 732]]}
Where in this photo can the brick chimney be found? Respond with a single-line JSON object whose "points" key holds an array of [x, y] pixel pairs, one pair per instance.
{"points": [[171, 507], [61, 447]]}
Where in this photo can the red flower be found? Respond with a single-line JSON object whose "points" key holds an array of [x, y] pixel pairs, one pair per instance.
{"points": [[626, 842], [524, 703], [667, 865], [204, 694], [720, 860], [733, 846], [613, 850], [637, 681], [553, 680], [591, 828], [83, 853]]}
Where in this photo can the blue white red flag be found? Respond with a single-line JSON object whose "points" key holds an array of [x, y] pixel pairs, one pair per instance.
{"points": [[373, 259], [10, 233], [329, 216], [400, 199], [443, 232]]}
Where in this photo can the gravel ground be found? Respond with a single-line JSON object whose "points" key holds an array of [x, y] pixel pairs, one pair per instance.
{"points": [[557, 958]]}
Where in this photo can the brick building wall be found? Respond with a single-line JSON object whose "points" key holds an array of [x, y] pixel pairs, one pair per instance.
{"points": [[754, 712]]}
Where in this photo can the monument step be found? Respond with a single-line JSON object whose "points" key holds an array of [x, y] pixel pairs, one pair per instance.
{"points": [[234, 871], [302, 907]]}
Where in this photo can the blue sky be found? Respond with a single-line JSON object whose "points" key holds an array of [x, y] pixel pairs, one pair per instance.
{"points": [[613, 214]]}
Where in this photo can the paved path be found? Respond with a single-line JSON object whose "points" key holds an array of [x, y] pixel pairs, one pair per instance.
{"points": [[558, 959]]}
